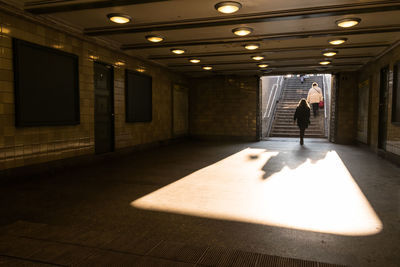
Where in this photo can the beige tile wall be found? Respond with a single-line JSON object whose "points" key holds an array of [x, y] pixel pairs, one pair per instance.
{"points": [[372, 72], [346, 126], [224, 106], [29, 145]]}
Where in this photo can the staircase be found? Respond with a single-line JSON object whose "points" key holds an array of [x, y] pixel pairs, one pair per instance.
{"points": [[292, 93]]}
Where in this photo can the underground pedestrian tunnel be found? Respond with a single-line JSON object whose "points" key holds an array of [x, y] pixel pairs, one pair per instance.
{"points": [[160, 133]]}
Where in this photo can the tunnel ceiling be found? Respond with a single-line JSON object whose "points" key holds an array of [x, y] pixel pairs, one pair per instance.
{"points": [[292, 34]]}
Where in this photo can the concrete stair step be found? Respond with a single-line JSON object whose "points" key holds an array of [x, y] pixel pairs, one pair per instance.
{"points": [[286, 105], [296, 135], [296, 129], [289, 121], [291, 125], [283, 134], [283, 126]]}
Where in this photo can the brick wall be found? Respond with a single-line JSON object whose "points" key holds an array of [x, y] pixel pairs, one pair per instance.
{"points": [[371, 72], [224, 107], [29, 145]]}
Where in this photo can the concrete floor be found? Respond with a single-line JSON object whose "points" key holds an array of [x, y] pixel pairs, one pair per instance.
{"points": [[320, 202]]}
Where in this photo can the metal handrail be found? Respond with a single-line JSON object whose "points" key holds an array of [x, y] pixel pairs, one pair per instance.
{"points": [[274, 95]]}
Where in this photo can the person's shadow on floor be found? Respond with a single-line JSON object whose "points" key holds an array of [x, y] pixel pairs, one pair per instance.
{"points": [[291, 159]]}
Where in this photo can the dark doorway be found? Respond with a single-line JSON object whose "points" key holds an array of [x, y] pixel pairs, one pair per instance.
{"points": [[104, 108], [383, 92]]}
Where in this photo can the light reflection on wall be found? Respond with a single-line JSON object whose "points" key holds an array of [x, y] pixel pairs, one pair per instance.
{"points": [[4, 31], [320, 196]]}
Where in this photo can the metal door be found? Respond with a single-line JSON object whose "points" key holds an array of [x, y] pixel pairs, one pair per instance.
{"points": [[104, 108], [383, 92]]}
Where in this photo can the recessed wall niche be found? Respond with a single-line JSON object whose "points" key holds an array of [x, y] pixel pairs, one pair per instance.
{"points": [[46, 82], [138, 97]]}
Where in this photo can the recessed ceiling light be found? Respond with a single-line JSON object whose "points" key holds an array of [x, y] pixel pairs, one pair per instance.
{"points": [[263, 65], [325, 62], [93, 57], [257, 57], [177, 51], [347, 23], [329, 53], [337, 41], [154, 38], [57, 46], [194, 60], [119, 63], [207, 68], [228, 7], [141, 69], [119, 18], [242, 31], [251, 46]]}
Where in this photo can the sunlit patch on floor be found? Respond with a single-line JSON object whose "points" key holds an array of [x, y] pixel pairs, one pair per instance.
{"points": [[321, 196]]}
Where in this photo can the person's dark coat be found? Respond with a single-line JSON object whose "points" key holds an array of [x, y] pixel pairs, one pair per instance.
{"points": [[302, 115]]}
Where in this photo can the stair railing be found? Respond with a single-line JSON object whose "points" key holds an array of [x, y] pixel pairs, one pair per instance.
{"points": [[326, 83], [273, 98]]}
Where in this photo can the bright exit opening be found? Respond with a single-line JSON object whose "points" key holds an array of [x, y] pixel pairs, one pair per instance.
{"points": [[279, 98]]}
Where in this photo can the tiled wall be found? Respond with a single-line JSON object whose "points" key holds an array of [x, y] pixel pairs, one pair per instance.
{"points": [[371, 72], [29, 145], [333, 108], [224, 106], [346, 127]]}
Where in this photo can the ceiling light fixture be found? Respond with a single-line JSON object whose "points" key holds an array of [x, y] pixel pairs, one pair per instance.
{"points": [[242, 31], [337, 41], [347, 23], [330, 53], [252, 46], [325, 62], [93, 57], [194, 60], [119, 63], [154, 38], [207, 68], [257, 57], [228, 7], [119, 18], [263, 65], [178, 51]]}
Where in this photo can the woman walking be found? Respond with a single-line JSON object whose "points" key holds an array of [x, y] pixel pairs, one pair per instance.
{"points": [[314, 97], [302, 115]]}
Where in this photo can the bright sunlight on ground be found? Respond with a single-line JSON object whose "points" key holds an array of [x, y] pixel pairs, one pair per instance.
{"points": [[321, 196]]}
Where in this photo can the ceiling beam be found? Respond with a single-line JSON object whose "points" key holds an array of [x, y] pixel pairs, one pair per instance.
{"points": [[46, 2], [269, 50], [266, 37], [293, 14], [271, 61], [313, 66], [199, 74], [38, 10]]}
